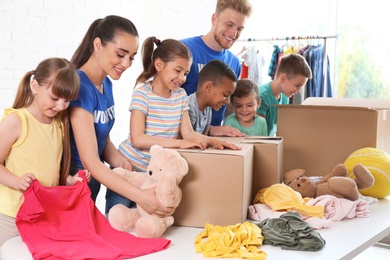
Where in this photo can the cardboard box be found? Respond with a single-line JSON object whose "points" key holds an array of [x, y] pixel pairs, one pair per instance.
{"points": [[317, 137], [267, 159], [217, 188]]}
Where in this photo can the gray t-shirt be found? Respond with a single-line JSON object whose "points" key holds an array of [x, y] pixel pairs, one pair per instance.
{"points": [[200, 121]]}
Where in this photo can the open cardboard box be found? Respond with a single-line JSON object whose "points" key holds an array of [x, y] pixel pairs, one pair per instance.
{"points": [[323, 132], [267, 161], [217, 188]]}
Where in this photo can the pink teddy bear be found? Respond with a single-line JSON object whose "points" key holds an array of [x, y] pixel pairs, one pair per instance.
{"points": [[165, 171]]}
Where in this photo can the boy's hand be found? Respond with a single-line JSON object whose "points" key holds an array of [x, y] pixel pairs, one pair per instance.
{"points": [[225, 130], [220, 144]]}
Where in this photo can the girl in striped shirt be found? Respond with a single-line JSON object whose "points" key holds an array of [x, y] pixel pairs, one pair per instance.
{"points": [[159, 108]]}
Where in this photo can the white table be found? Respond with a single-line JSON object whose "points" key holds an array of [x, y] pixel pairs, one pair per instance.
{"points": [[344, 240]]}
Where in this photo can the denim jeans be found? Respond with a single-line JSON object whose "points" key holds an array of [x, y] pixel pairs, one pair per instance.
{"points": [[315, 86], [113, 198], [93, 184]]}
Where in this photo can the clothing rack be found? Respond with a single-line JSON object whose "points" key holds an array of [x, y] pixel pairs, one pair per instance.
{"points": [[299, 38], [286, 38]]}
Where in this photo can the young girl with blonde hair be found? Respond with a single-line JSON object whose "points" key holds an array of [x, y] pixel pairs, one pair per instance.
{"points": [[34, 137]]}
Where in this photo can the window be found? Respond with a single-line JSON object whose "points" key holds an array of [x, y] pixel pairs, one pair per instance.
{"points": [[358, 57], [362, 49]]}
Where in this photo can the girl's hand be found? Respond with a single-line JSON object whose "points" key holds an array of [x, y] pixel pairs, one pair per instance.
{"points": [[193, 142], [24, 182], [125, 164], [87, 176], [72, 180]]}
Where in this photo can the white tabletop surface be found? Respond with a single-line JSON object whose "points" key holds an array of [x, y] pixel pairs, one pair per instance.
{"points": [[344, 240]]}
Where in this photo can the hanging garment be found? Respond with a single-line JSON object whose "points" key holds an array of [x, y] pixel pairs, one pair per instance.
{"points": [[315, 86], [274, 62], [244, 71], [254, 62], [62, 222]]}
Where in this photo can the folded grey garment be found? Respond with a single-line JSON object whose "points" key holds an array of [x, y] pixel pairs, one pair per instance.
{"points": [[291, 232]]}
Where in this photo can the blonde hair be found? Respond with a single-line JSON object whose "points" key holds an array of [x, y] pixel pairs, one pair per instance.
{"points": [[242, 6], [62, 77]]}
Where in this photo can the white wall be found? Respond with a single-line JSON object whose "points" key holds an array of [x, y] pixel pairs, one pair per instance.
{"points": [[33, 30]]}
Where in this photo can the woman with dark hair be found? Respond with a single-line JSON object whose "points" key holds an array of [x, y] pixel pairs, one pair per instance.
{"points": [[108, 49]]}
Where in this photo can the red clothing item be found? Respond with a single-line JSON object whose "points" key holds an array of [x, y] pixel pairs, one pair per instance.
{"points": [[62, 222], [244, 71]]}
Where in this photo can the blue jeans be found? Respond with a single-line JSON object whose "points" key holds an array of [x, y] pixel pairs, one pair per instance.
{"points": [[93, 185], [113, 198], [315, 86]]}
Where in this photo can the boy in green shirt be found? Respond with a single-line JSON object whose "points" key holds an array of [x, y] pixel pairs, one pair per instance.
{"points": [[292, 73]]}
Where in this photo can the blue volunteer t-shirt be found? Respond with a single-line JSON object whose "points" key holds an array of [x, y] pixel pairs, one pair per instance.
{"points": [[101, 106]]}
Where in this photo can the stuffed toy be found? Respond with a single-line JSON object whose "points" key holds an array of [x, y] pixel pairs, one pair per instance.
{"points": [[165, 171], [334, 183]]}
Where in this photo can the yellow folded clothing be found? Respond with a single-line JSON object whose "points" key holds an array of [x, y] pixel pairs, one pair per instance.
{"points": [[240, 240], [282, 197]]}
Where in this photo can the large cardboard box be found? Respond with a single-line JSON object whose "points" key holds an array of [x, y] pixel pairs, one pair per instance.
{"points": [[322, 132], [217, 188], [267, 159]]}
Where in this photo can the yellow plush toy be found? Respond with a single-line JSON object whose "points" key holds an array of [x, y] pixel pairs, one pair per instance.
{"points": [[378, 163], [165, 171]]}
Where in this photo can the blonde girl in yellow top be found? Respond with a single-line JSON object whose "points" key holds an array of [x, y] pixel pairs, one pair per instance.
{"points": [[34, 137]]}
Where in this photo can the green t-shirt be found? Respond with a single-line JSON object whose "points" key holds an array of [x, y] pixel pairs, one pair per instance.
{"points": [[268, 108], [259, 127]]}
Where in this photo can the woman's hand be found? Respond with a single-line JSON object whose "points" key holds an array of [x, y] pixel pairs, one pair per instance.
{"points": [[148, 201]]}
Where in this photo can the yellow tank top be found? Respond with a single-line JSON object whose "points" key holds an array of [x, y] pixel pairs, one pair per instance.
{"points": [[38, 150]]}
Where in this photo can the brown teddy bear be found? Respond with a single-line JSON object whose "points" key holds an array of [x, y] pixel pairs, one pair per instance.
{"points": [[335, 183], [165, 171]]}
